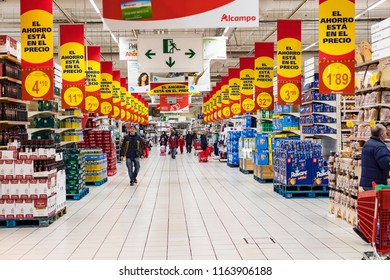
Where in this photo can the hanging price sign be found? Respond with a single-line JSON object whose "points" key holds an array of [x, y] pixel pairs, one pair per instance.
{"points": [[73, 96], [236, 109], [117, 111], [336, 76], [264, 100], [289, 93], [91, 103], [37, 84], [106, 107], [248, 105]]}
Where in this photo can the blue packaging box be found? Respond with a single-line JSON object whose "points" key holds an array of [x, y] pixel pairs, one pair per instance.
{"points": [[262, 142], [263, 158]]}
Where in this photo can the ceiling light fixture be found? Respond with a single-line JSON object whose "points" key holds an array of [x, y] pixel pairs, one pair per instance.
{"points": [[113, 37], [95, 6]]}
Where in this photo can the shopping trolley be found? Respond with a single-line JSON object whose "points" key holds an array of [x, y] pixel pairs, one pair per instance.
{"points": [[374, 221], [197, 147], [203, 156]]}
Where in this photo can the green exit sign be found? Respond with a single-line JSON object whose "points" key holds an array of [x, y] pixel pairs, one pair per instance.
{"points": [[163, 118]]}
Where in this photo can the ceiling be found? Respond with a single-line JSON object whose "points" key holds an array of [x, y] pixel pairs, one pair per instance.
{"points": [[241, 40]]}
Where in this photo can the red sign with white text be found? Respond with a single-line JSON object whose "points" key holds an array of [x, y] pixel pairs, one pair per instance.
{"points": [[264, 76]]}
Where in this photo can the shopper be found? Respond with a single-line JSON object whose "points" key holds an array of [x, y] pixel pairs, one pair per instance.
{"points": [[181, 143], [189, 139], [375, 163], [203, 141], [173, 143], [163, 139], [216, 140], [132, 148]]}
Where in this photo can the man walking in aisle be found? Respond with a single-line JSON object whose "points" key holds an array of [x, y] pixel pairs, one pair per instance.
{"points": [[132, 148], [173, 143], [189, 139], [375, 163]]}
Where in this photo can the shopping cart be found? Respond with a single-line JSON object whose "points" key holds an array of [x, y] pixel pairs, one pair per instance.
{"points": [[374, 221], [197, 147], [203, 156]]}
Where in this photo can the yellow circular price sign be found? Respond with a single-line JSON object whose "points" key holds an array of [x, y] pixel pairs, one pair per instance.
{"points": [[248, 105], [372, 123], [123, 114], [264, 100], [235, 108], [226, 112], [106, 107], [91, 103], [37, 84], [289, 93], [350, 124], [336, 76], [117, 111], [73, 96]]}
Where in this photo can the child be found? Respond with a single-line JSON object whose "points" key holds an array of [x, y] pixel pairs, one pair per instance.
{"points": [[181, 143], [162, 150]]}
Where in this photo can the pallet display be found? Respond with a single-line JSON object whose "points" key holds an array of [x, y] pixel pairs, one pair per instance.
{"points": [[299, 169], [95, 166], [75, 173], [232, 144], [247, 145]]}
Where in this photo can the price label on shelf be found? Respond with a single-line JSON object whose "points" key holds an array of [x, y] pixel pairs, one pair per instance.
{"points": [[289, 93], [336, 76], [37, 84], [248, 105], [264, 100], [350, 124], [91, 103], [73, 96], [372, 123], [106, 108]]}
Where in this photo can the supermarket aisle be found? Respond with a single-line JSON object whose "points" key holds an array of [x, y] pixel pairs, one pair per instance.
{"points": [[182, 209]]}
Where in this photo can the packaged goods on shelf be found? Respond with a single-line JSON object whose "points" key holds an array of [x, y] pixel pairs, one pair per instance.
{"points": [[8, 45], [232, 143], [15, 133], [75, 171], [95, 165]]}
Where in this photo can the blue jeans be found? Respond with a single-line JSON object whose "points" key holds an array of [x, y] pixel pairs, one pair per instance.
{"points": [[130, 162], [173, 152]]}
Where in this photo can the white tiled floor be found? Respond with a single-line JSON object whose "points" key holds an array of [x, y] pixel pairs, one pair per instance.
{"points": [[184, 210]]}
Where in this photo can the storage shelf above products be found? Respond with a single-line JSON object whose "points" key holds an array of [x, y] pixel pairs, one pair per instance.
{"points": [[10, 58], [329, 102], [377, 88], [298, 132], [11, 80], [264, 119], [68, 116], [333, 136], [350, 111], [41, 113], [60, 130], [13, 100], [346, 130], [63, 143], [13, 123], [375, 105], [363, 66], [34, 130], [99, 118], [333, 125], [290, 114], [309, 90], [329, 114]]}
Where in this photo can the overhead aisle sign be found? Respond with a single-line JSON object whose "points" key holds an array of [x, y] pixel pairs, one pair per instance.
{"points": [[125, 15], [234, 91], [264, 75], [72, 58], [170, 53], [337, 46], [92, 89], [225, 90], [106, 93], [36, 28], [289, 60], [116, 94], [246, 84]]}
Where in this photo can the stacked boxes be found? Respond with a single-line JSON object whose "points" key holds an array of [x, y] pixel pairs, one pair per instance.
{"points": [[75, 171], [232, 147], [102, 139], [299, 163], [95, 165], [285, 123]]}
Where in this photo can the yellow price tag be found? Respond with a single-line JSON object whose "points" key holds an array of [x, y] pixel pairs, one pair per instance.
{"points": [[350, 124], [264, 100], [106, 108], [117, 111], [91, 103], [235, 108], [37, 84], [73, 96], [336, 76], [226, 112], [373, 79], [248, 105], [289, 93], [372, 123]]}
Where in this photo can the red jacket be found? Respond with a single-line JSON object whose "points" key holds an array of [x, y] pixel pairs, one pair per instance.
{"points": [[173, 143], [182, 142]]}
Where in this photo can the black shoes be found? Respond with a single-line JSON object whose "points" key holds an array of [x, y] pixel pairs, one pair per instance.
{"points": [[131, 183], [135, 181], [361, 235]]}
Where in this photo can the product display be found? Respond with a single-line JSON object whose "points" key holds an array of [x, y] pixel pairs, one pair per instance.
{"points": [[74, 161], [95, 166]]}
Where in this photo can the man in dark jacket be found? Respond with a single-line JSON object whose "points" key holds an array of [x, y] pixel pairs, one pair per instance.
{"points": [[203, 141], [132, 148], [189, 140], [375, 163]]}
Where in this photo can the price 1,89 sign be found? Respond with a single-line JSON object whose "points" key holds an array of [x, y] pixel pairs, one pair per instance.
{"points": [[336, 76]]}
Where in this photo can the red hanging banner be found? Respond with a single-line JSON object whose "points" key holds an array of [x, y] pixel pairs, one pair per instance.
{"points": [[225, 90], [92, 89], [336, 46], [264, 76], [123, 99], [106, 92], [234, 91], [36, 33], [289, 58], [116, 94], [72, 60], [247, 78]]}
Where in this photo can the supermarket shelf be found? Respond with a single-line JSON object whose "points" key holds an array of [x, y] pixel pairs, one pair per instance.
{"points": [[265, 119], [41, 113], [290, 114], [10, 58], [60, 130], [358, 139], [34, 130], [13, 123], [350, 111], [13, 100], [352, 101], [309, 90], [333, 136], [333, 125], [11, 80], [329, 102], [346, 130], [69, 116], [363, 66], [63, 143], [100, 118], [329, 114], [3, 147], [298, 132], [377, 88], [375, 105]]}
